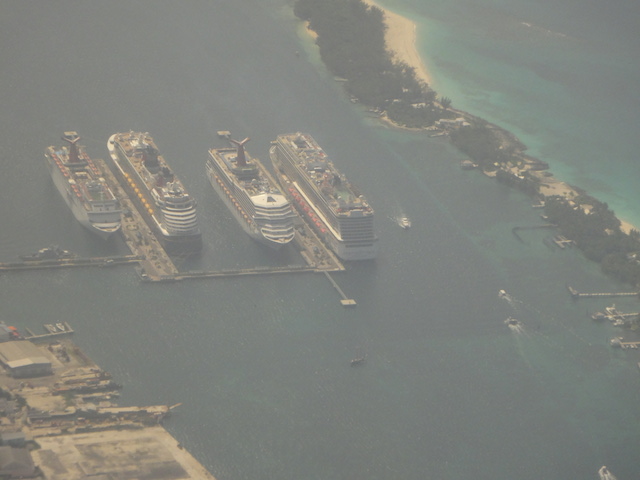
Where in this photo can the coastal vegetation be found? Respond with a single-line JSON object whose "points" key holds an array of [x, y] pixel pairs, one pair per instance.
{"points": [[596, 231], [351, 39]]}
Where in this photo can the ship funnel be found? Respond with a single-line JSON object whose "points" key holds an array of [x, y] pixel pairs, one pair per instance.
{"points": [[241, 159], [72, 138]]}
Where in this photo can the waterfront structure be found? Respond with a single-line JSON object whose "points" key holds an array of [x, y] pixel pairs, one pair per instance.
{"points": [[21, 358], [81, 184], [157, 192], [339, 213], [251, 195], [71, 413]]}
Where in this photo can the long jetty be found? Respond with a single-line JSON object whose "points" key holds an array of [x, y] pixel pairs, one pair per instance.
{"points": [[346, 301], [71, 262], [575, 294]]}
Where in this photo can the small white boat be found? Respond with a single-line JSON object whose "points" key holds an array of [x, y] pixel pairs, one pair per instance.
{"points": [[60, 327], [404, 222], [605, 474]]}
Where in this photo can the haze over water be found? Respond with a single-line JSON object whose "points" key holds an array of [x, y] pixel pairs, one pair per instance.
{"points": [[262, 365]]}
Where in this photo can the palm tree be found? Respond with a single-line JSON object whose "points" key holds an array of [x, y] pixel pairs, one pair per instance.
{"points": [[445, 102]]}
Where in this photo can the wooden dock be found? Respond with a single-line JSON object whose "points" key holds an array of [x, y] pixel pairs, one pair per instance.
{"points": [[575, 294], [618, 342], [50, 335]]}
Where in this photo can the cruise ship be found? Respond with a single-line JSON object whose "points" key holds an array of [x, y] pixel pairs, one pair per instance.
{"points": [[81, 184], [251, 195], [157, 192], [339, 214]]}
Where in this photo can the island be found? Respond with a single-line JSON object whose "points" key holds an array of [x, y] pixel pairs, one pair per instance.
{"points": [[372, 52]]}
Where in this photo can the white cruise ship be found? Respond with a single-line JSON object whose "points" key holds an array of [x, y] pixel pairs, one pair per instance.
{"points": [[83, 187], [251, 195], [157, 192], [340, 214]]}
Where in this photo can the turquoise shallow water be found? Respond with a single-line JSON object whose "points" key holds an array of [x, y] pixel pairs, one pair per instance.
{"points": [[561, 75], [262, 365]]}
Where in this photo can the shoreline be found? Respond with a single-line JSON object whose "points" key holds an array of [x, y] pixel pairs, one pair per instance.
{"points": [[401, 39]]}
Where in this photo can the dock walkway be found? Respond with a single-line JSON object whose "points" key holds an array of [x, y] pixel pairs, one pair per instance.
{"points": [[71, 262], [138, 235], [33, 337], [346, 301], [575, 294]]}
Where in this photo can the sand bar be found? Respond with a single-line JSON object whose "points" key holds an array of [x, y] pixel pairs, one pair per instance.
{"points": [[401, 39]]}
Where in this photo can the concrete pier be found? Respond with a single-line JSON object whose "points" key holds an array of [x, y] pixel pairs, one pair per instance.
{"points": [[346, 301], [73, 417], [155, 264], [49, 336], [575, 294], [71, 262]]}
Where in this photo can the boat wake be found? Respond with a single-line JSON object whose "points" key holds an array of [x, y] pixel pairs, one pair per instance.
{"points": [[605, 474], [402, 221], [515, 326], [507, 298]]}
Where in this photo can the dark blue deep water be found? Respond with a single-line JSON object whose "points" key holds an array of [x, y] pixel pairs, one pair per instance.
{"points": [[262, 365]]}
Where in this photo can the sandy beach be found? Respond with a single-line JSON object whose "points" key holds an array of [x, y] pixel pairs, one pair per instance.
{"points": [[401, 40]]}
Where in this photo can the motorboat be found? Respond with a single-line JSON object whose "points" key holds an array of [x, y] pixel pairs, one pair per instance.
{"points": [[513, 322], [404, 222]]}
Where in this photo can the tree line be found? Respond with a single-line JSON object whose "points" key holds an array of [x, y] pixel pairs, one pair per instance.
{"points": [[351, 41]]}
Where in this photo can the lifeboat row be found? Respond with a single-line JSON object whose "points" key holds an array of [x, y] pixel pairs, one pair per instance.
{"points": [[232, 198], [64, 170], [137, 191], [92, 165], [308, 211]]}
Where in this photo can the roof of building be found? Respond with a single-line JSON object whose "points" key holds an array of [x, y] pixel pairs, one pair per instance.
{"points": [[15, 459], [21, 353]]}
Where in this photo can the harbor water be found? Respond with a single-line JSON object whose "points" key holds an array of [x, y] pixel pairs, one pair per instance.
{"points": [[262, 365]]}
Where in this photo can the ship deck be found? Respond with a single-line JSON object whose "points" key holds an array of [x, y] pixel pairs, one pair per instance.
{"points": [[125, 140], [155, 264], [256, 185]]}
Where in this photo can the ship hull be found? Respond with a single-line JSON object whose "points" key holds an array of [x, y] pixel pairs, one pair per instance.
{"points": [[143, 200], [314, 219], [251, 195], [103, 224], [360, 249], [247, 224], [244, 220]]}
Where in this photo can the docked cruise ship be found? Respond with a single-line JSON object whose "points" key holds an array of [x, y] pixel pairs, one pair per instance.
{"points": [[251, 195], [340, 214], [81, 184], [159, 195]]}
